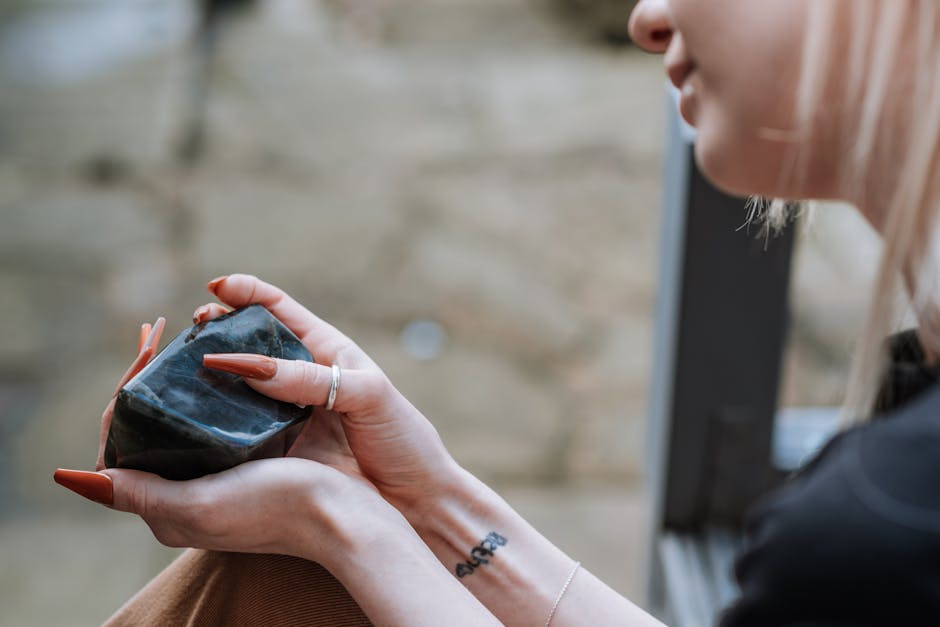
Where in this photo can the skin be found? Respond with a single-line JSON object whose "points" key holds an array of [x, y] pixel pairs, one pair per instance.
{"points": [[369, 490], [739, 92], [729, 97]]}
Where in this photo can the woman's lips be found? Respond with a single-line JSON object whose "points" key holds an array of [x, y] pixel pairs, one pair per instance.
{"points": [[679, 72], [688, 97], [680, 68], [687, 102]]}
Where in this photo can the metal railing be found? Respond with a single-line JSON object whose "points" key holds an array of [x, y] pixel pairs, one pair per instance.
{"points": [[715, 441]]}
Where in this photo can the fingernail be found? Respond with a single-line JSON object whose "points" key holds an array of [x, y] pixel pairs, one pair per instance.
{"points": [[144, 334], [136, 366], [199, 313], [243, 364], [157, 332], [92, 485], [214, 284]]}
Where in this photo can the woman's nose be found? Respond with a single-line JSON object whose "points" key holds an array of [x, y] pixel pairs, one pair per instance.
{"points": [[650, 26]]}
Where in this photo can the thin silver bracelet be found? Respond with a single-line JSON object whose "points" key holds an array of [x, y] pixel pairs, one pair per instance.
{"points": [[564, 589]]}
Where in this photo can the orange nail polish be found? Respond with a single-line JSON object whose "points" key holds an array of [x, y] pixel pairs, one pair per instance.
{"points": [[92, 485], [144, 334], [243, 364], [156, 333], [136, 366], [214, 284], [199, 313]]}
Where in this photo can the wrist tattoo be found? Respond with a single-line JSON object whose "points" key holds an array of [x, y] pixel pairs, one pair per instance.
{"points": [[480, 553]]}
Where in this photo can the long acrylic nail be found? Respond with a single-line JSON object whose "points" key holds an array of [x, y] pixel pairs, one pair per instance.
{"points": [[214, 284], [136, 366], [145, 329], [243, 364], [153, 340], [92, 485]]}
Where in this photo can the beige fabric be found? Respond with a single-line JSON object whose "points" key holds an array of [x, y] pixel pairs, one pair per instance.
{"points": [[212, 588]]}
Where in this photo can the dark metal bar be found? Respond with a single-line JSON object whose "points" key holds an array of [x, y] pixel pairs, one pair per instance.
{"points": [[721, 319], [721, 323]]}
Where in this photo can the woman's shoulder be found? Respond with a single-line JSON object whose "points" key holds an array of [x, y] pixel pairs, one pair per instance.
{"points": [[854, 537], [893, 465]]}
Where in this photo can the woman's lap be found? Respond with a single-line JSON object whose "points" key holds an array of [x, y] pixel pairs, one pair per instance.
{"points": [[213, 588]]}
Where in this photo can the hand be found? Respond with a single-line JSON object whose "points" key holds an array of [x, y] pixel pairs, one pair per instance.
{"points": [[287, 506], [334, 501], [296, 507], [262, 506], [372, 432]]}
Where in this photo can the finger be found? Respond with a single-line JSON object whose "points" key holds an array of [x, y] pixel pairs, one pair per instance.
{"points": [[180, 513], [324, 340], [103, 433], [144, 353], [148, 340], [136, 366], [144, 493], [156, 333], [105, 426], [230, 510], [209, 311], [301, 382]]}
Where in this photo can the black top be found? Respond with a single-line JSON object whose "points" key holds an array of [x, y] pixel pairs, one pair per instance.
{"points": [[854, 538]]}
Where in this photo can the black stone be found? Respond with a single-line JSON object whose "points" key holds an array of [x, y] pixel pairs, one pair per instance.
{"points": [[181, 420]]}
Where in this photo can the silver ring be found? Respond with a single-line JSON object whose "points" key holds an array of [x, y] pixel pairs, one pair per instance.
{"points": [[334, 386]]}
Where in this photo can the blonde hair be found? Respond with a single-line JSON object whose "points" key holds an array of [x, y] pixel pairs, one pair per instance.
{"points": [[875, 51], [888, 42]]}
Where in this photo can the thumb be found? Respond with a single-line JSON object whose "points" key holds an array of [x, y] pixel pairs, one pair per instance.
{"points": [[125, 490], [144, 493], [179, 513]]}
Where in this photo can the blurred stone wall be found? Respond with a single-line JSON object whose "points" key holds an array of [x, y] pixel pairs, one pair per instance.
{"points": [[467, 188], [603, 21]]}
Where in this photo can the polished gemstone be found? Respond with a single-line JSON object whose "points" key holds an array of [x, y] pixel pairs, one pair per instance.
{"points": [[181, 420]]}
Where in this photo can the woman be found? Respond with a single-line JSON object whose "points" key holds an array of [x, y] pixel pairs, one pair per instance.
{"points": [[791, 99]]}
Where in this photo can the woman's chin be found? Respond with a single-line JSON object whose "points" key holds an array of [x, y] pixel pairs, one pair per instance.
{"points": [[737, 171], [724, 173]]}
